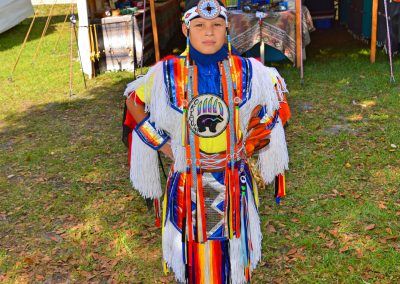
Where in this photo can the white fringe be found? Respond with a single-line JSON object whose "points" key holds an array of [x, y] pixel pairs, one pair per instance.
{"points": [[281, 88], [168, 119], [172, 251], [255, 234], [274, 159], [263, 93], [145, 81], [237, 269], [179, 156], [157, 103], [144, 172], [207, 259]]}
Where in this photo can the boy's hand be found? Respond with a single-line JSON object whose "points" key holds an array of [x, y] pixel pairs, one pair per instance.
{"points": [[166, 149], [258, 133]]}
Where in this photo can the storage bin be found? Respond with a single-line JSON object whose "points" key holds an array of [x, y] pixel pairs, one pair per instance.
{"points": [[271, 54]]}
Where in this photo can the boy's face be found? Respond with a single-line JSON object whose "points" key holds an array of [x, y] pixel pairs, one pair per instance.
{"points": [[206, 36]]}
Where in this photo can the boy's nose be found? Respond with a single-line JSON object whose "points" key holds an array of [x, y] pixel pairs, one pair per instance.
{"points": [[209, 31]]}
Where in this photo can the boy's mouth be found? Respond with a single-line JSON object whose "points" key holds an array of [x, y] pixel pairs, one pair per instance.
{"points": [[209, 42]]}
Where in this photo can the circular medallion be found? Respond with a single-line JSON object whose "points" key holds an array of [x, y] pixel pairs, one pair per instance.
{"points": [[207, 115], [208, 9]]}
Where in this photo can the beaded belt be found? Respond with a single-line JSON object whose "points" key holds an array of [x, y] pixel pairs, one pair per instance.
{"points": [[217, 162]]}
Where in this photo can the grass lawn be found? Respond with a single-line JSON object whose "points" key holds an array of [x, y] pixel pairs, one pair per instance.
{"points": [[69, 215]]}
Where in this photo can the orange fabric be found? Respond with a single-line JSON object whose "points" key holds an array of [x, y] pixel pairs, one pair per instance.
{"points": [[258, 133], [131, 123], [284, 111]]}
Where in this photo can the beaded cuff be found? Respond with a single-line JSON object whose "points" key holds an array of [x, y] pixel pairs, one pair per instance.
{"points": [[152, 137]]}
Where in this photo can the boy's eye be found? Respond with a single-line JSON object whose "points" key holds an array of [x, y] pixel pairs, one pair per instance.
{"points": [[198, 25]]}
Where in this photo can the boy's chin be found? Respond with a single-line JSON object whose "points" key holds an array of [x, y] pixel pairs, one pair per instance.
{"points": [[209, 50]]}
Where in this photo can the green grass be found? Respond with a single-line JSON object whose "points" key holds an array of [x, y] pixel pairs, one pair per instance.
{"points": [[68, 212]]}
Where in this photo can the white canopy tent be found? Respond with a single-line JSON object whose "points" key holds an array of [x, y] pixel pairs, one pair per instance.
{"points": [[83, 38], [12, 12]]}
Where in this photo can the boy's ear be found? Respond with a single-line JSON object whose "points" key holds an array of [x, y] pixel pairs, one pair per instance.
{"points": [[184, 29]]}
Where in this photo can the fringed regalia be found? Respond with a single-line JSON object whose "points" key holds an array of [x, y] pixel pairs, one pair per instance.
{"points": [[210, 223]]}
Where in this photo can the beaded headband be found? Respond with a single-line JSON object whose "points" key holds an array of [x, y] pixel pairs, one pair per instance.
{"points": [[206, 9]]}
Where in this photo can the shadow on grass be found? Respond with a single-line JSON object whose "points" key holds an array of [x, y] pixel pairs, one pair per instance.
{"points": [[15, 36], [66, 198]]}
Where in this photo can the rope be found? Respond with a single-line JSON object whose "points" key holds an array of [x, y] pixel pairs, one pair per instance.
{"points": [[44, 31], [134, 51], [301, 44], [70, 52], [143, 26], [389, 42], [23, 44]]}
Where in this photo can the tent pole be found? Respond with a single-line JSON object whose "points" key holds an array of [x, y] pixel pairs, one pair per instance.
{"points": [[155, 32], [389, 43], [299, 47], [298, 33], [262, 50], [373, 30]]}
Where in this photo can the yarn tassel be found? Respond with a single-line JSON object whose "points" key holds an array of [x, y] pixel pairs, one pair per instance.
{"points": [[188, 206], [164, 217], [183, 124], [229, 202], [245, 241], [232, 203], [280, 187], [237, 201], [157, 210], [184, 225]]}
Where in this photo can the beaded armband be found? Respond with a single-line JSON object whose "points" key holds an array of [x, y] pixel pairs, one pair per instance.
{"points": [[269, 121], [152, 137]]}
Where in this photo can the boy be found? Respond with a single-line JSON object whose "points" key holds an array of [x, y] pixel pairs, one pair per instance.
{"points": [[208, 111]]}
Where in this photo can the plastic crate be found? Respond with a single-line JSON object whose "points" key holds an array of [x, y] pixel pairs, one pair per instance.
{"points": [[323, 23], [271, 54]]}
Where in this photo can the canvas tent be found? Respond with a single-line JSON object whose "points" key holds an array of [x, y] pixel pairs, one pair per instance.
{"points": [[12, 12]]}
